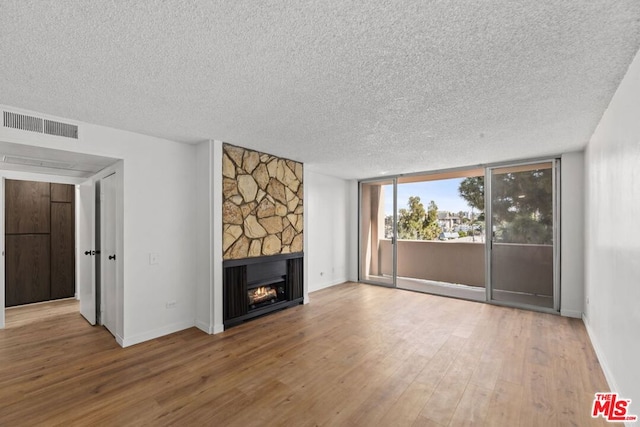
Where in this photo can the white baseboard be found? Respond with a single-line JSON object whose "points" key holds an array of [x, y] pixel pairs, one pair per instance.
{"points": [[156, 333], [209, 329], [600, 355], [326, 285], [204, 327], [603, 361], [571, 313], [120, 340]]}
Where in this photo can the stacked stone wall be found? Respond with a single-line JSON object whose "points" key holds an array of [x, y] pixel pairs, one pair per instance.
{"points": [[262, 209]]}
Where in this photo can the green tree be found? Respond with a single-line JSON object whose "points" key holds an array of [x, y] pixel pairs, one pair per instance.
{"points": [[472, 190], [388, 226], [433, 229], [416, 223], [521, 206], [411, 222]]}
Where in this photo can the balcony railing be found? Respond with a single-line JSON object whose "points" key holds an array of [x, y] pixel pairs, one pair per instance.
{"points": [[515, 267]]}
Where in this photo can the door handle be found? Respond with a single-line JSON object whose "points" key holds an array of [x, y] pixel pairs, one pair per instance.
{"points": [[89, 253], [112, 256]]}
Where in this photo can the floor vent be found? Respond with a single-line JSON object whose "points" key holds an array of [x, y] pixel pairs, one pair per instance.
{"points": [[37, 124]]}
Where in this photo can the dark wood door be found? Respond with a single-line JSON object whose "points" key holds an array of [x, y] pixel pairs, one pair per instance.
{"points": [[40, 242], [27, 268], [62, 251], [27, 207], [62, 193]]}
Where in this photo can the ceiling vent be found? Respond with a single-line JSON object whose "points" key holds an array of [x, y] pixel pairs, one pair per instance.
{"points": [[40, 125]]}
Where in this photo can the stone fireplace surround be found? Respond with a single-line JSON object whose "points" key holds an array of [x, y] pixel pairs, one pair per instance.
{"points": [[262, 218], [262, 207]]}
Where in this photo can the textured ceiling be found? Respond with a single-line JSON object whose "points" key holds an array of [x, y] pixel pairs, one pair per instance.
{"points": [[353, 89]]}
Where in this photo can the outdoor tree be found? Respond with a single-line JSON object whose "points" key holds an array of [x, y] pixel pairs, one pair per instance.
{"points": [[388, 226], [433, 229], [522, 204], [472, 190], [416, 223]]}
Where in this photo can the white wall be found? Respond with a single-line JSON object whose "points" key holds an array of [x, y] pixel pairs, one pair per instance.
{"points": [[216, 249], [204, 238], [354, 222], [572, 235], [327, 230], [612, 310], [159, 217]]}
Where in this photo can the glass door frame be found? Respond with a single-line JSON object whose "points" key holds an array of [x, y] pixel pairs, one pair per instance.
{"points": [[556, 176], [555, 183], [394, 237]]}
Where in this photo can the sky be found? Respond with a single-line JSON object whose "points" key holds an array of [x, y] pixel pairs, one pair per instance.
{"points": [[444, 192]]}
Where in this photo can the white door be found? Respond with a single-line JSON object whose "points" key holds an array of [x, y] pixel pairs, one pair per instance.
{"points": [[108, 256], [86, 251]]}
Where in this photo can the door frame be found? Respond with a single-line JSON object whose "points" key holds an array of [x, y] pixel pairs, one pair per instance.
{"points": [[555, 185], [22, 176], [103, 254], [394, 238], [557, 197], [118, 168]]}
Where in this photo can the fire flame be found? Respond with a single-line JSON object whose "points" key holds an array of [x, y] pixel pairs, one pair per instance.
{"points": [[262, 293]]}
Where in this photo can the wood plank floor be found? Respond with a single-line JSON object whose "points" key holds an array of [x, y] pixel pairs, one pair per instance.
{"points": [[356, 355]]}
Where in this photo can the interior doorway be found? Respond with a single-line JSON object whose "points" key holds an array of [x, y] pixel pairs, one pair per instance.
{"points": [[39, 242], [81, 171]]}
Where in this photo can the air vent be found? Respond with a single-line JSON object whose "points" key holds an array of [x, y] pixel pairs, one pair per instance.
{"points": [[60, 129], [22, 122], [37, 124]]}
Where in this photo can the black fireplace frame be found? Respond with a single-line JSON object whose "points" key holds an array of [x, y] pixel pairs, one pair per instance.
{"points": [[240, 275]]}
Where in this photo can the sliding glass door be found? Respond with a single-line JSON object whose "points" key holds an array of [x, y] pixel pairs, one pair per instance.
{"points": [[522, 235], [487, 234], [377, 232], [440, 230]]}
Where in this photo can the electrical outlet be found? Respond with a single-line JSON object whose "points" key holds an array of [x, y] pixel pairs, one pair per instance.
{"points": [[153, 259], [171, 304]]}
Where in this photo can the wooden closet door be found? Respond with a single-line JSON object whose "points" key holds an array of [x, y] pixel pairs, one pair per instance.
{"points": [[27, 269], [27, 207], [62, 251], [62, 193]]}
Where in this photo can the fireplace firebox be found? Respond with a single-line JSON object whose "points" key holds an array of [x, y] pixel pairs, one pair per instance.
{"points": [[257, 286]]}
